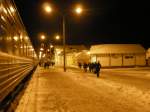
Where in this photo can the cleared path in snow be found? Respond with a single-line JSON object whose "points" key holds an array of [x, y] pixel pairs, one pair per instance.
{"points": [[75, 91]]}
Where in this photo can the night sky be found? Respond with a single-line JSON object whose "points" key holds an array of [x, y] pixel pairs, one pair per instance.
{"points": [[103, 21]]}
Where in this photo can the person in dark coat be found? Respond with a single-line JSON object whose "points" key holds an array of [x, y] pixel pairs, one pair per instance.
{"points": [[80, 65], [85, 65], [90, 67], [98, 67]]}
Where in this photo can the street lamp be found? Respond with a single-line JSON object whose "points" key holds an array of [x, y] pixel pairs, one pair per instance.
{"points": [[57, 37], [47, 7], [78, 10], [42, 37]]}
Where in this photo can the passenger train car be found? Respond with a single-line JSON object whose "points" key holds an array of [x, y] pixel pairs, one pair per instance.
{"points": [[17, 55]]}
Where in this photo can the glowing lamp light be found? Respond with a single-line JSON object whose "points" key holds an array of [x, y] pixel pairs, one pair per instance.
{"points": [[58, 52], [43, 55], [42, 37], [88, 53], [51, 46], [21, 37], [41, 49], [5, 11], [2, 17], [15, 38], [57, 37], [12, 9], [78, 10], [26, 38], [47, 7]]}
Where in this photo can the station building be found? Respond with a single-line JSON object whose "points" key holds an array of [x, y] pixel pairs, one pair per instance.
{"points": [[148, 56], [118, 55], [74, 53]]}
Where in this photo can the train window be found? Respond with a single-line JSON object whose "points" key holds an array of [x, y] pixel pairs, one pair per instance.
{"points": [[128, 57]]}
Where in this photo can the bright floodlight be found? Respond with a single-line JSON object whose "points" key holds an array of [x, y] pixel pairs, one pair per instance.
{"points": [[78, 10], [47, 8]]}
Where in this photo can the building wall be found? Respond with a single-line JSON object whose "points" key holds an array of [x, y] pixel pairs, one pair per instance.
{"points": [[115, 60], [140, 59], [59, 60], [120, 59], [70, 59], [148, 61], [104, 60], [128, 60]]}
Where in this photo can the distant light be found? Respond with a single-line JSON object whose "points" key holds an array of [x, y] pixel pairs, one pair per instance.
{"points": [[57, 37], [5, 11], [21, 47], [40, 54], [15, 38], [42, 37], [51, 46], [2, 27], [58, 52], [12, 9], [43, 55], [47, 7], [2, 17], [88, 53], [41, 49], [9, 38], [21, 37], [48, 50], [26, 38]]}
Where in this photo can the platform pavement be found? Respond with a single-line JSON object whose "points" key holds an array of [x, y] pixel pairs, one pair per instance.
{"points": [[38, 89], [52, 90]]}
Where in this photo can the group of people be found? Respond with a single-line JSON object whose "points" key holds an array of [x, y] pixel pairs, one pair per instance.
{"points": [[46, 64], [93, 67]]}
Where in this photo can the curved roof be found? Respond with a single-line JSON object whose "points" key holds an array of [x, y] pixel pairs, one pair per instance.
{"points": [[148, 53], [83, 57], [117, 49], [148, 50]]}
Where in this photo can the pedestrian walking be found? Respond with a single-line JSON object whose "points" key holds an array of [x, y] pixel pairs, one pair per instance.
{"points": [[85, 65], [98, 67], [80, 65]]}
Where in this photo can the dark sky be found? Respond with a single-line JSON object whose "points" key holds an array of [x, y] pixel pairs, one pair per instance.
{"points": [[103, 21]]}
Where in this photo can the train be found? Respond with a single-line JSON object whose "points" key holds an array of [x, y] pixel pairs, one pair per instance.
{"points": [[17, 54]]}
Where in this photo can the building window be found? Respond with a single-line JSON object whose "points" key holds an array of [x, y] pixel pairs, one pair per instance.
{"points": [[128, 57]]}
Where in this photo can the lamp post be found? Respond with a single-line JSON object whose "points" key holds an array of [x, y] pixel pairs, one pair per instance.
{"points": [[64, 43], [78, 10]]}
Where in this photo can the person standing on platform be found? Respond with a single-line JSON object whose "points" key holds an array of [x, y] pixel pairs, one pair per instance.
{"points": [[98, 67]]}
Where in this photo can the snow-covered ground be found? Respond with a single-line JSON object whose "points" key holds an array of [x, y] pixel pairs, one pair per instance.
{"points": [[116, 90]]}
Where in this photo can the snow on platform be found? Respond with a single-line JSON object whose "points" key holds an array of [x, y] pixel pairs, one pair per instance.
{"points": [[52, 90]]}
